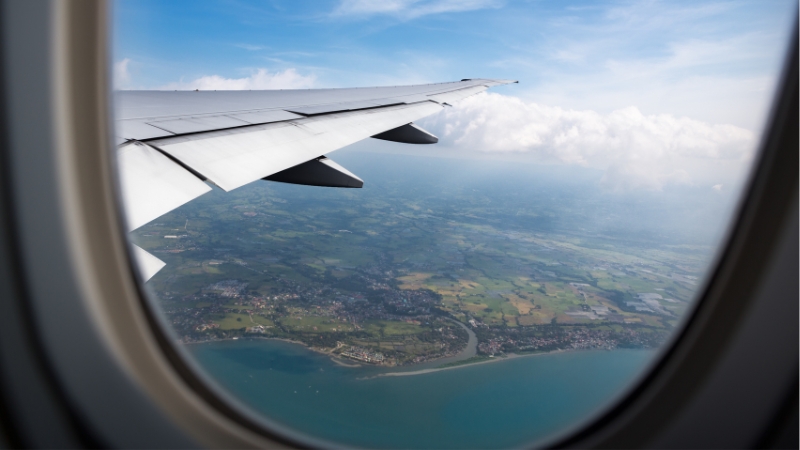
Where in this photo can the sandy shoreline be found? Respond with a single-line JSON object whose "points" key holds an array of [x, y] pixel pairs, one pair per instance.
{"points": [[508, 357], [342, 363]]}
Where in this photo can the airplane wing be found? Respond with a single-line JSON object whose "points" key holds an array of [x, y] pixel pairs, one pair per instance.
{"points": [[173, 144]]}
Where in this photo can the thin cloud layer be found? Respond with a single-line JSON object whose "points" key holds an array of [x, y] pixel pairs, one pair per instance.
{"points": [[409, 9], [635, 151], [122, 77], [260, 79]]}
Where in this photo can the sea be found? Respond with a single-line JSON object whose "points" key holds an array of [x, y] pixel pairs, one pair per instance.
{"points": [[511, 402]]}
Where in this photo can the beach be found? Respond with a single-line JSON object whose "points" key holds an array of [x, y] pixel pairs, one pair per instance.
{"points": [[507, 357]]}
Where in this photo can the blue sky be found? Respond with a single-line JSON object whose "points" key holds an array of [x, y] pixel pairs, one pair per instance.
{"points": [[600, 55], [700, 64]]}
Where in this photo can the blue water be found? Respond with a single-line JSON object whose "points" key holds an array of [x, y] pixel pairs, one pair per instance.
{"points": [[500, 404]]}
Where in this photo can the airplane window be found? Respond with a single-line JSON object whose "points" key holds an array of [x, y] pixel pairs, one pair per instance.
{"points": [[357, 225]]}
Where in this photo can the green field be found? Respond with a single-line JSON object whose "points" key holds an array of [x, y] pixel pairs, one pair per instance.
{"points": [[235, 321]]}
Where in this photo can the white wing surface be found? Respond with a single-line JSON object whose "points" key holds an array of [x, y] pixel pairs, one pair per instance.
{"points": [[175, 142], [152, 184]]}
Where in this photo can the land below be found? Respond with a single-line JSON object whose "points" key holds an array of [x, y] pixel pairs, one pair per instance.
{"points": [[399, 278]]}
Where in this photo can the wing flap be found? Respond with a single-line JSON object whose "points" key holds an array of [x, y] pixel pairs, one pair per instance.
{"points": [[148, 264], [318, 172], [235, 157], [408, 134], [152, 184]]}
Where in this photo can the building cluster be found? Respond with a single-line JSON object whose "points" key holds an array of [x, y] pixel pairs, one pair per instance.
{"points": [[476, 323], [228, 288], [496, 340], [362, 354], [206, 326]]}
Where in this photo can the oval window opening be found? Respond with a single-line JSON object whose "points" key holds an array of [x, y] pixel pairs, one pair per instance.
{"points": [[362, 246]]}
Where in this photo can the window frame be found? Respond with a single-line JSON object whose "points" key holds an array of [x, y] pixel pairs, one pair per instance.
{"points": [[102, 356]]}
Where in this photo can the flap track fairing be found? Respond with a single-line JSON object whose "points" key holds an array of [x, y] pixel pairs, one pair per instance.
{"points": [[408, 134], [318, 172]]}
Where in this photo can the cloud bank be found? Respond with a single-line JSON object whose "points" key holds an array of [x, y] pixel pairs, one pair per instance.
{"points": [[634, 150], [260, 79], [409, 9]]}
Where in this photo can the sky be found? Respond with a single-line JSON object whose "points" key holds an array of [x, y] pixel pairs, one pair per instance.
{"points": [[653, 94]]}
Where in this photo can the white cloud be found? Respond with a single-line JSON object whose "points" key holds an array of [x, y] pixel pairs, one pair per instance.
{"points": [[714, 61], [634, 150], [260, 79], [251, 47], [410, 9], [122, 77]]}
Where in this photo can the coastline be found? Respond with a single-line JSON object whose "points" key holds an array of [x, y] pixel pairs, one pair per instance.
{"points": [[334, 358], [269, 372], [468, 352], [244, 338], [508, 357], [340, 362]]}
